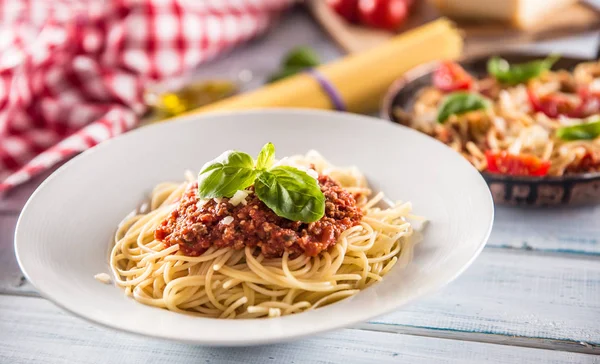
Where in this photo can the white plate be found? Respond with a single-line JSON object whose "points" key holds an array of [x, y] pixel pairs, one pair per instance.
{"points": [[64, 233]]}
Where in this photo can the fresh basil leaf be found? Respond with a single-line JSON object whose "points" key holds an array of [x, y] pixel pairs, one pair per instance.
{"points": [[291, 193], [498, 67], [519, 73], [303, 57], [226, 174], [459, 103], [266, 157], [586, 131]]}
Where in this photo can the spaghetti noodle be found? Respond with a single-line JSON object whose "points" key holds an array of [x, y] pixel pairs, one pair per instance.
{"points": [[230, 283]]}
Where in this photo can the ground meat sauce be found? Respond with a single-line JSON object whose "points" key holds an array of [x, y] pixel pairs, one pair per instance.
{"points": [[196, 229]]}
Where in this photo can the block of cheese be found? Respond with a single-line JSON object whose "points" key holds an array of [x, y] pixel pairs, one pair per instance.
{"points": [[519, 13]]}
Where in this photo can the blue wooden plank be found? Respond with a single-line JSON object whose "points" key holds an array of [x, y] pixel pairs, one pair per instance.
{"points": [[515, 293], [34, 331], [573, 230], [11, 278]]}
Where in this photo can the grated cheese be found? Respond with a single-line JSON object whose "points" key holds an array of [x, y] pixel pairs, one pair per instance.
{"points": [[595, 85], [103, 278], [239, 197]]}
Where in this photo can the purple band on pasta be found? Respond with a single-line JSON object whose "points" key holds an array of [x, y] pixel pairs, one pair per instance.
{"points": [[329, 89]]}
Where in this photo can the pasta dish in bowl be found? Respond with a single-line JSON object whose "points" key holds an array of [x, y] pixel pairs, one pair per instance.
{"points": [[268, 249], [252, 247], [530, 124]]}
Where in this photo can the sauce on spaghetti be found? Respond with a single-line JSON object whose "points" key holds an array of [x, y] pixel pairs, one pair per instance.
{"points": [[196, 228]]}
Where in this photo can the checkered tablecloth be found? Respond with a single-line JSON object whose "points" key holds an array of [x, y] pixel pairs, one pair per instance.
{"points": [[73, 72]]}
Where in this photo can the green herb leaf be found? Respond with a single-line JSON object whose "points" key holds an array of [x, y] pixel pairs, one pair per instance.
{"points": [[291, 194], [586, 131], [459, 103], [226, 174], [266, 157], [303, 57], [519, 73], [295, 61]]}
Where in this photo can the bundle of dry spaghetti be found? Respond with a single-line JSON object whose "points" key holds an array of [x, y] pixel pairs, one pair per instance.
{"points": [[359, 81]]}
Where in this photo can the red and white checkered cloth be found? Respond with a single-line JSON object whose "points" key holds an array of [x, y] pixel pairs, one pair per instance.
{"points": [[72, 72]]}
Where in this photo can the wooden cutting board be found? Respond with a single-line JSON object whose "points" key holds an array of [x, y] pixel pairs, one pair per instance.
{"points": [[488, 36]]}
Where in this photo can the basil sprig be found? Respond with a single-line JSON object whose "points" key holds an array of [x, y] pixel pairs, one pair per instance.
{"points": [[288, 191], [518, 73], [586, 131], [458, 103]]}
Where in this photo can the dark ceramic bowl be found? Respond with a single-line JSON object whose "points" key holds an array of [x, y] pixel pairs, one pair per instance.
{"points": [[580, 189]]}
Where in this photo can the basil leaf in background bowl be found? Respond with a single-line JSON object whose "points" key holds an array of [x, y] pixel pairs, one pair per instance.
{"points": [[301, 57], [586, 131], [459, 103], [291, 193], [296, 60], [266, 157], [506, 73], [223, 176]]}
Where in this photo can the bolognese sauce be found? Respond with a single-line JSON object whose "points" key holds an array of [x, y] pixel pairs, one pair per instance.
{"points": [[196, 227]]}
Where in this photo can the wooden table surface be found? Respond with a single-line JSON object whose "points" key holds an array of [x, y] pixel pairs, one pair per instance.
{"points": [[532, 296]]}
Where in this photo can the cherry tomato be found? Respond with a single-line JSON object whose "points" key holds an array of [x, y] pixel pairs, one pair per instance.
{"points": [[347, 9], [589, 163], [555, 104], [516, 164], [590, 102], [450, 76], [383, 14]]}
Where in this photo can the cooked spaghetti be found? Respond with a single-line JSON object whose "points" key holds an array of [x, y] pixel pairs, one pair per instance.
{"points": [[251, 275], [539, 122]]}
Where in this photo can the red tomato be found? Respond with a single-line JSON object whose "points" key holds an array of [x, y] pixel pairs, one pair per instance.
{"points": [[347, 9], [589, 163], [590, 102], [516, 164], [384, 14], [554, 105], [450, 76]]}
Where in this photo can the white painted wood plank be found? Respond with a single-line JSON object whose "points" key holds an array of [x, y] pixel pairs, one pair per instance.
{"points": [[568, 230], [11, 278], [34, 330], [517, 341], [516, 293], [511, 293], [13, 200]]}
